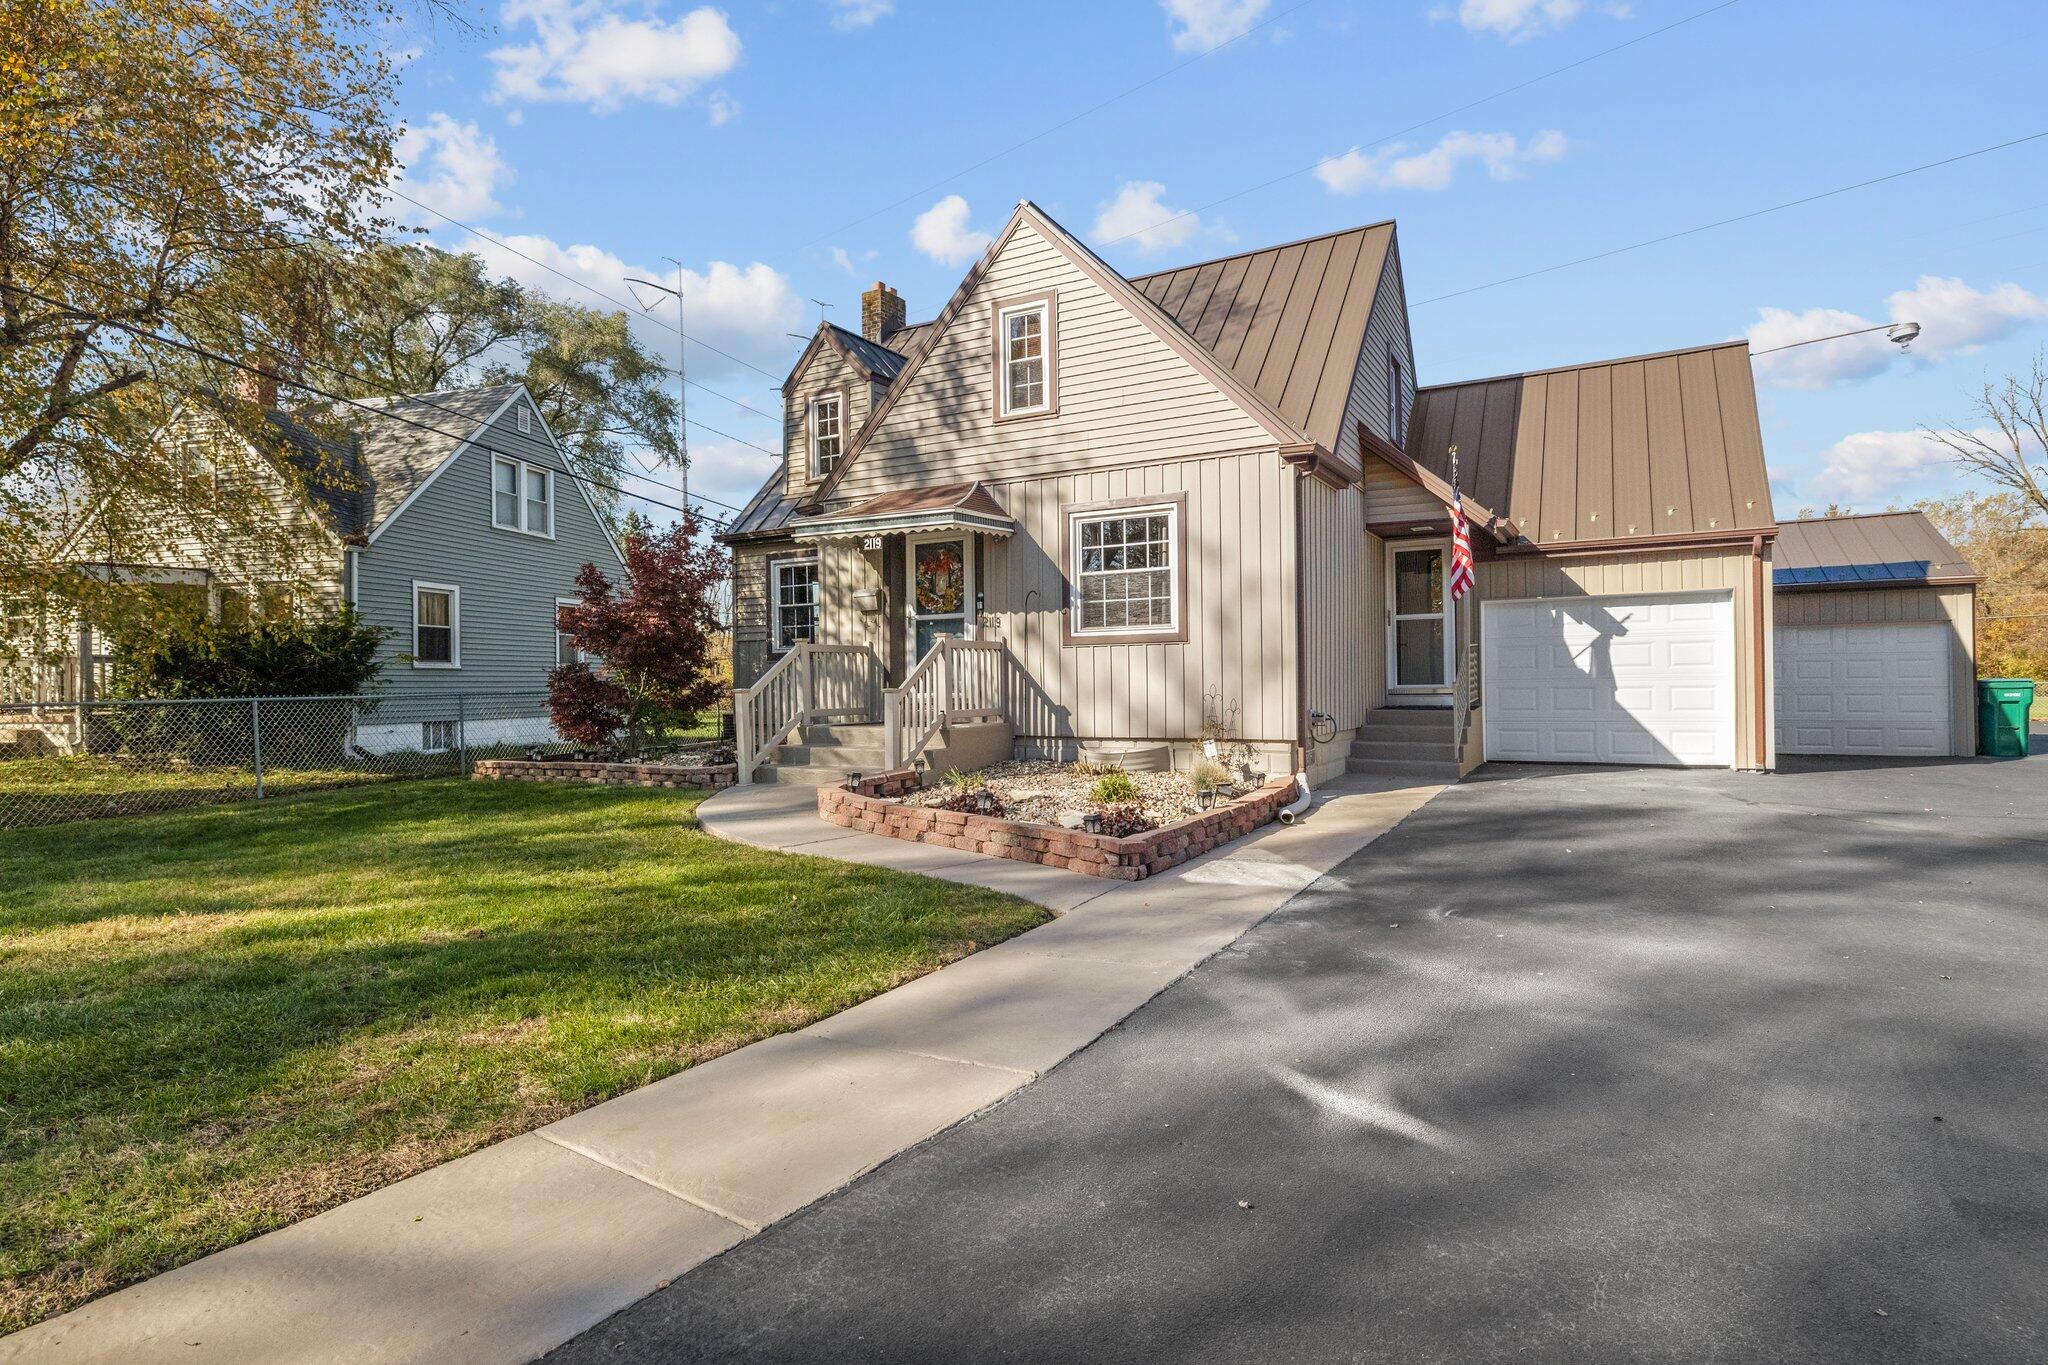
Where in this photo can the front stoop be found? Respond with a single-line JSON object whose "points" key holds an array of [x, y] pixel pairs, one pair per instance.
{"points": [[1414, 742], [824, 755]]}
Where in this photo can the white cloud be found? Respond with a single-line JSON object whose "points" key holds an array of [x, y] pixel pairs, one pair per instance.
{"points": [[450, 166], [942, 233], [722, 108], [1139, 215], [842, 260], [1865, 467], [1397, 168], [587, 52], [741, 310], [1954, 317], [1519, 20], [1199, 25], [859, 13]]}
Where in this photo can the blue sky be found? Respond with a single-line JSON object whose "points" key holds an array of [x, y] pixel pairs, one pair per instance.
{"points": [[800, 150]]}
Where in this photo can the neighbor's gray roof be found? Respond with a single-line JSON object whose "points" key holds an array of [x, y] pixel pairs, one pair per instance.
{"points": [[1287, 321], [391, 450], [1655, 445], [1879, 547]]}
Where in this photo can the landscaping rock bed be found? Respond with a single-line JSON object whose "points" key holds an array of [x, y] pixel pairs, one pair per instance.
{"points": [[1040, 793]]}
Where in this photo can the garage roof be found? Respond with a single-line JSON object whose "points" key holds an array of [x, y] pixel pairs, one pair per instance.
{"points": [[1645, 447], [1891, 548]]}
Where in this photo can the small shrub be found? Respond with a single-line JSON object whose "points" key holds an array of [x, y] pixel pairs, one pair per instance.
{"points": [[1208, 775], [1121, 821], [1113, 789], [1085, 768], [970, 782]]}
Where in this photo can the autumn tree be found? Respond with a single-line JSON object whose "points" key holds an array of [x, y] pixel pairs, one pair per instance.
{"points": [[2009, 447], [652, 636], [191, 172], [425, 319], [2006, 541]]}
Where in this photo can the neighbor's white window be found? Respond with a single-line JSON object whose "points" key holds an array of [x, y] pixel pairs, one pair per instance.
{"points": [[436, 625], [1023, 360], [566, 650], [437, 736], [1126, 573], [792, 602], [522, 496], [828, 433]]}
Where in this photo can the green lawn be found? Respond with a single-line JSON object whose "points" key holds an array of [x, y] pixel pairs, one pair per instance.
{"points": [[51, 790], [218, 1021]]}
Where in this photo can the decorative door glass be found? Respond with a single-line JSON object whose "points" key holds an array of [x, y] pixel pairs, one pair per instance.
{"points": [[938, 591], [1419, 617]]}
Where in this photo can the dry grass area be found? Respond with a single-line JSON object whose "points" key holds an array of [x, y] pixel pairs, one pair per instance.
{"points": [[218, 1021]]}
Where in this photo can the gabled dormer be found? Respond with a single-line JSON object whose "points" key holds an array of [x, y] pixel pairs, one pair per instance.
{"points": [[836, 383]]}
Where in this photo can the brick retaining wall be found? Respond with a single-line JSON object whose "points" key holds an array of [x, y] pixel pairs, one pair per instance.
{"points": [[711, 776], [871, 806]]}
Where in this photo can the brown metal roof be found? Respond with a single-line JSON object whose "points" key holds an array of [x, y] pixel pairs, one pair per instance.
{"points": [[1880, 547], [965, 497], [1649, 446], [1287, 321]]}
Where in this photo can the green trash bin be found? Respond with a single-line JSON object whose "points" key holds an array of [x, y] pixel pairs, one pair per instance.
{"points": [[2002, 707]]}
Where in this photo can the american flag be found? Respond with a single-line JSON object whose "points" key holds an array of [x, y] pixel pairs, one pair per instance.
{"points": [[1461, 538]]}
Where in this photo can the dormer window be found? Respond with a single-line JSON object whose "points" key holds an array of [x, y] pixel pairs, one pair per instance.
{"points": [[828, 433], [1026, 377]]}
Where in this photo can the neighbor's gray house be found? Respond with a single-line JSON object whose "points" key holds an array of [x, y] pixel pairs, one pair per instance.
{"points": [[1077, 511], [448, 519]]}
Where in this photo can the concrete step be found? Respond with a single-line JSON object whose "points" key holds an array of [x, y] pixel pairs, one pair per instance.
{"points": [[799, 775], [1384, 767], [1410, 718], [860, 760], [856, 736], [1417, 751]]}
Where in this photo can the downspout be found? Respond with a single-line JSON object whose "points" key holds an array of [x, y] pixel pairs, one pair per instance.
{"points": [[1761, 697], [1294, 808]]}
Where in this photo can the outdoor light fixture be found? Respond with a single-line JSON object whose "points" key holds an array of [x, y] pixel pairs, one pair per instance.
{"points": [[1903, 333], [1091, 823], [985, 802], [1205, 797], [852, 781]]}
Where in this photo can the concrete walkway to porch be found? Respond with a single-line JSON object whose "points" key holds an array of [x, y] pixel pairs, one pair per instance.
{"points": [[506, 1253]]}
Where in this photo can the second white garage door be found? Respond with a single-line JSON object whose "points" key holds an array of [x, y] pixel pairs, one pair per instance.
{"points": [[1864, 689], [1610, 679]]}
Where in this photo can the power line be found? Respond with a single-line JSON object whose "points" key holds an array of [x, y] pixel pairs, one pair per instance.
{"points": [[582, 284], [1416, 127], [1738, 218], [144, 334], [1069, 121]]}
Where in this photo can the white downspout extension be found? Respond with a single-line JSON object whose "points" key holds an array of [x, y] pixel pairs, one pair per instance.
{"points": [[1300, 803]]}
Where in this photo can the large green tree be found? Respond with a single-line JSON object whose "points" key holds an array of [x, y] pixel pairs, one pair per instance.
{"points": [[419, 318]]}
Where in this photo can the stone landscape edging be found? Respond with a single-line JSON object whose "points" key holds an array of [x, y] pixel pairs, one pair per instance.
{"points": [[711, 775], [874, 806]]}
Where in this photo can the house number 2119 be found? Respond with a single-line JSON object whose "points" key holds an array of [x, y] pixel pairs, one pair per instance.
{"points": [[871, 542]]}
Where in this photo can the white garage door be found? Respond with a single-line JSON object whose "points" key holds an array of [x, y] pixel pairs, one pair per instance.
{"points": [[1863, 689], [1610, 679]]}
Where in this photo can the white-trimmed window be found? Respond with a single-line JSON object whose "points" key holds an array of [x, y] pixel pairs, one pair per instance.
{"points": [[436, 625], [792, 602], [1126, 570], [438, 736], [1024, 375], [1396, 408], [522, 496], [566, 649], [828, 433]]}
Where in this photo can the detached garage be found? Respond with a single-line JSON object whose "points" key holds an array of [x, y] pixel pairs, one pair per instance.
{"points": [[1875, 639]]}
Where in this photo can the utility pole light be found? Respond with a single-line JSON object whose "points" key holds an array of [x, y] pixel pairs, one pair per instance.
{"points": [[1899, 333], [682, 341]]}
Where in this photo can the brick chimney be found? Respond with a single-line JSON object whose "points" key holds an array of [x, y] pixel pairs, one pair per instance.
{"points": [[881, 313], [257, 387]]}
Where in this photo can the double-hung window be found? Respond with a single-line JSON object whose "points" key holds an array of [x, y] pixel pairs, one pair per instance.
{"points": [[522, 496], [828, 433], [436, 625], [566, 650], [1125, 570], [792, 602], [1026, 383]]}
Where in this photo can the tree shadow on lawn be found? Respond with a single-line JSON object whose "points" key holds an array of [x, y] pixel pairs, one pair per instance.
{"points": [[217, 1028]]}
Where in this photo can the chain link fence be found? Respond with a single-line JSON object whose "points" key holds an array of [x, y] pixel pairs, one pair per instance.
{"points": [[89, 760]]}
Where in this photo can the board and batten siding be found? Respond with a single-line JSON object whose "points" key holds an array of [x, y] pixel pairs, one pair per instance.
{"points": [[508, 580], [1338, 614], [1702, 569], [1238, 659], [1386, 333], [750, 657], [1125, 396], [1953, 606]]}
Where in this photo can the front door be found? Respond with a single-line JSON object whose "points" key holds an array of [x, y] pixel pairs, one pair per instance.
{"points": [[940, 591], [1419, 622]]}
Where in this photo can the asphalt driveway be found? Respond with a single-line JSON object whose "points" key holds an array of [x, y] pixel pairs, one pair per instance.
{"points": [[1574, 1065]]}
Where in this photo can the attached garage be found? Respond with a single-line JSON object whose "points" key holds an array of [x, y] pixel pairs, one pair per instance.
{"points": [[1642, 679], [1875, 640]]}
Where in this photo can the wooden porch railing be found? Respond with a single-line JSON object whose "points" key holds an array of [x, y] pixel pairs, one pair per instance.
{"points": [[958, 680], [811, 683]]}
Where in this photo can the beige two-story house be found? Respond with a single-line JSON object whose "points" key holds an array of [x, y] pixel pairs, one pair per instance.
{"points": [[1135, 514]]}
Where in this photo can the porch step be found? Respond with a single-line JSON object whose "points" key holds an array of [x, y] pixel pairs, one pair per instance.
{"points": [[797, 775], [1403, 750], [860, 760], [852, 735], [1409, 718], [1387, 767]]}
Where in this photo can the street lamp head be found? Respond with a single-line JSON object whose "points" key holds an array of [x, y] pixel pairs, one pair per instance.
{"points": [[1903, 334]]}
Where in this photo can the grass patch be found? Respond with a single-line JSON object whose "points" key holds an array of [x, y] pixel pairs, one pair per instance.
{"points": [[216, 1022], [52, 790]]}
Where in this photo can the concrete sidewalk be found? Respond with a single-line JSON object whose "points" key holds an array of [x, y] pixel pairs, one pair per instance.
{"points": [[506, 1253]]}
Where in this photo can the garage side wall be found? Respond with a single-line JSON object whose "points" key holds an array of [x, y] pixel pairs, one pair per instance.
{"points": [[1956, 606], [1706, 569]]}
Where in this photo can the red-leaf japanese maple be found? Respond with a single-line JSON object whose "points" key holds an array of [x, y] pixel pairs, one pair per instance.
{"points": [[652, 638]]}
